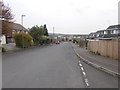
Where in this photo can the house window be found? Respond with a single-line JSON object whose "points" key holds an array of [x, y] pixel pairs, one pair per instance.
{"points": [[114, 32], [26, 32], [118, 31], [19, 31], [98, 35], [102, 32], [105, 32], [74, 36]]}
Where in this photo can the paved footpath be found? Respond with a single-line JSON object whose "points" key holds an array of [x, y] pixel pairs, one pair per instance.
{"points": [[10, 47], [104, 63]]}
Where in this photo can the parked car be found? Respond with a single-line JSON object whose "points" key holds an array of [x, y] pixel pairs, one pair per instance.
{"points": [[57, 42]]}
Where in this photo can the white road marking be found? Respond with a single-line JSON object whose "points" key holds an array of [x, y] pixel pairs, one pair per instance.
{"points": [[82, 68], [84, 74], [86, 81], [80, 65]]}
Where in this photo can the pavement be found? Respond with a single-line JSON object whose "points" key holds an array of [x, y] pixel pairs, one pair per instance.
{"points": [[105, 64], [10, 47]]}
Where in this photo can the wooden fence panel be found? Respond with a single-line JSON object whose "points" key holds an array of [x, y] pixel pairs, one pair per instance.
{"points": [[109, 48]]}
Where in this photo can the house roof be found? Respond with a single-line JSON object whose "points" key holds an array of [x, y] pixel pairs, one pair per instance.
{"points": [[113, 26], [92, 33], [7, 27], [15, 26], [81, 35], [18, 27]]}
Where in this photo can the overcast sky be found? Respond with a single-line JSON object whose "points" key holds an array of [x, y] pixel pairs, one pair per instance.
{"points": [[67, 16]]}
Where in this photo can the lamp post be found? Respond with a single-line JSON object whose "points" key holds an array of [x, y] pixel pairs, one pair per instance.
{"points": [[22, 28], [53, 35]]}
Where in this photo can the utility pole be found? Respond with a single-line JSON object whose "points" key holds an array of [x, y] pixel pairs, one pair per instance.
{"points": [[22, 28]]}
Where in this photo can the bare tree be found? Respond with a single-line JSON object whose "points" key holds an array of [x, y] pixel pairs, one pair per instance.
{"points": [[6, 18], [5, 12]]}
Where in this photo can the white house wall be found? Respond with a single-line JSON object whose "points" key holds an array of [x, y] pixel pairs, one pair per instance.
{"points": [[2, 39]]}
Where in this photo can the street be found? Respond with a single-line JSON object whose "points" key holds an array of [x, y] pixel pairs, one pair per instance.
{"points": [[54, 66]]}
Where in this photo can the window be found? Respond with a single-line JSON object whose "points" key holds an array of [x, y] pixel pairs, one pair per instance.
{"points": [[105, 32], [98, 35], [102, 32], [118, 31], [114, 32], [74, 36]]}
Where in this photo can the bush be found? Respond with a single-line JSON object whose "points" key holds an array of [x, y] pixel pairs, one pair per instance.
{"points": [[96, 53], [74, 40], [23, 40], [44, 40], [3, 49], [83, 43]]}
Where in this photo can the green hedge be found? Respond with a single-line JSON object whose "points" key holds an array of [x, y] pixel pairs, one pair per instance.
{"points": [[23, 40]]}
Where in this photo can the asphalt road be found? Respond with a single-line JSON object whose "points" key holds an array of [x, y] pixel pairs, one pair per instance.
{"points": [[53, 66], [47, 67]]}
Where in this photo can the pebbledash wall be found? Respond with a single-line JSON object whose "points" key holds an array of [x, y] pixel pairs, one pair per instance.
{"points": [[109, 48]]}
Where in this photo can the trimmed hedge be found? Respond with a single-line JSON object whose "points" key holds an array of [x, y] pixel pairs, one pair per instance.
{"points": [[23, 40]]}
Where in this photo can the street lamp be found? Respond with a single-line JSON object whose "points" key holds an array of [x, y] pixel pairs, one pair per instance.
{"points": [[22, 28]]}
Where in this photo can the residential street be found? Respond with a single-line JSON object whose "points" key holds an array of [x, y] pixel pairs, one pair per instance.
{"points": [[54, 66]]}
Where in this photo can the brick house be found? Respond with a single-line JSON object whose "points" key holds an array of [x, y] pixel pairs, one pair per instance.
{"points": [[9, 28]]}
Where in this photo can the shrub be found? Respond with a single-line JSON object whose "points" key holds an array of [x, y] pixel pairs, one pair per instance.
{"points": [[83, 43], [74, 40], [23, 40], [44, 40], [95, 53], [3, 49]]}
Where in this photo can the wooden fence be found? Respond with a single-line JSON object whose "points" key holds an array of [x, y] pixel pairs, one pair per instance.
{"points": [[109, 48]]}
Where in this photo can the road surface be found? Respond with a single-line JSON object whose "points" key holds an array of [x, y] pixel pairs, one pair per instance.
{"points": [[53, 66]]}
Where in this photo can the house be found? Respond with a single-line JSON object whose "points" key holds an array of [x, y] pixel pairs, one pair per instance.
{"points": [[92, 35], [80, 37], [9, 28], [111, 32], [70, 37]]}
